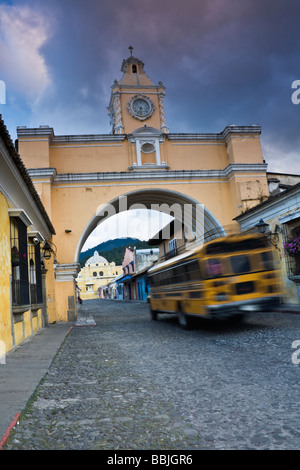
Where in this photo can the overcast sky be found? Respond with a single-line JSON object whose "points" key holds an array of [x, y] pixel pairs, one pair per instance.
{"points": [[222, 62]]}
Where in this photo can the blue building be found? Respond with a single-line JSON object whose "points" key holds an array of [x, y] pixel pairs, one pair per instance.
{"points": [[140, 280]]}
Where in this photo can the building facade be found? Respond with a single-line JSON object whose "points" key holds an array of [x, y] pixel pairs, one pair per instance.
{"points": [[94, 278], [171, 240], [279, 218], [135, 265], [24, 274]]}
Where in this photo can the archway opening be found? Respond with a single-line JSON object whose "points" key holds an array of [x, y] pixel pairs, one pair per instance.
{"points": [[136, 217], [141, 224], [200, 224]]}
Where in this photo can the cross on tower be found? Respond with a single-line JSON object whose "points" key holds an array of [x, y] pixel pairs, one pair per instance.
{"points": [[131, 49]]}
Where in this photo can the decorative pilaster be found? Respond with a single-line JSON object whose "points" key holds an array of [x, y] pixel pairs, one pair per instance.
{"points": [[163, 124], [45, 317], [65, 291], [117, 115]]}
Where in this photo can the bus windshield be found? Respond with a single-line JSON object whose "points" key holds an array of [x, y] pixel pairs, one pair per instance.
{"points": [[226, 259], [228, 246]]}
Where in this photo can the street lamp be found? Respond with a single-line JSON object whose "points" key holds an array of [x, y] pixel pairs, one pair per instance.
{"points": [[262, 226], [273, 237], [48, 250]]}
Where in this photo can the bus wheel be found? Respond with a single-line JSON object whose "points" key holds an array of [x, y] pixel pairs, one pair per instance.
{"points": [[153, 314], [183, 320], [237, 318]]}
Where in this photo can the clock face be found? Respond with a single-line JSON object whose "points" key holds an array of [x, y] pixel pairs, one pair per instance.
{"points": [[141, 107]]}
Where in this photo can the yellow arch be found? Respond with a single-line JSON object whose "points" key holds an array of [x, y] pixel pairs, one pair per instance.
{"points": [[164, 200]]}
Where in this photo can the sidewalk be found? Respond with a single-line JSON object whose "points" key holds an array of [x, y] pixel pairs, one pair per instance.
{"points": [[25, 367]]}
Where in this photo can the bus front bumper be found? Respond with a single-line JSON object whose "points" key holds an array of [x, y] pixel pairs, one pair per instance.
{"points": [[244, 306]]}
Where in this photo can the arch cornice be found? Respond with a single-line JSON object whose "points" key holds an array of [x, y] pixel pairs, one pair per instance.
{"points": [[150, 174]]}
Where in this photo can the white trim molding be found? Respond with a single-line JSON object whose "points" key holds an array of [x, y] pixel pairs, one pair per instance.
{"points": [[160, 172], [21, 214], [66, 272], [287, 218], [34, 234]]}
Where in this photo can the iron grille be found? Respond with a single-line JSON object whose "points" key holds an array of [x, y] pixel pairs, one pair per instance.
{"points": [[292, 261], [20, 281]]}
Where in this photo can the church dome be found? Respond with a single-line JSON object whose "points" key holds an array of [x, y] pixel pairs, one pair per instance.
{"points": [[96, 258]]}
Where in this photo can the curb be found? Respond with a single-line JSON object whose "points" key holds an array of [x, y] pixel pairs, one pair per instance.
{"points": [[9, 429]]}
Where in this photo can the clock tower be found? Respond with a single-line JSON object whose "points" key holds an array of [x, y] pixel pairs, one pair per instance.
{"points": [[135, 101]]}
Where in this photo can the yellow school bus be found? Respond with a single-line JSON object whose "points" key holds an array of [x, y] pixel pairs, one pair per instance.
{"points": [[225, 278]]}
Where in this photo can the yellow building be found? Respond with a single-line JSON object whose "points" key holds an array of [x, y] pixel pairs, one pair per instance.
{"points": [[279, 218], [96, 273], [84, 179], [24, 274]]}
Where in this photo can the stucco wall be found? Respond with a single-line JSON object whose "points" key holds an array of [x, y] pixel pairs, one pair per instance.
{"points": [[5, 271]]}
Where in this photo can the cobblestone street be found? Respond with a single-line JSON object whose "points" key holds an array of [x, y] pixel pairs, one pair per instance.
{"points": [[133, 383]]}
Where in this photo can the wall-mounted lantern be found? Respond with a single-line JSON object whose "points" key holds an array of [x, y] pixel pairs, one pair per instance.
{"points": [[263, 228], [48, 250]]}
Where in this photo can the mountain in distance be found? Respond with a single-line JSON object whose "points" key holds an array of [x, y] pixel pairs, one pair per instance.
{"points": [[113, 250]]}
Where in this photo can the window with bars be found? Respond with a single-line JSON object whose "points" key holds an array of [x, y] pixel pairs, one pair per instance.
{"points": [[19, 260], [35, 274], [292, 260], [172, 249], [26, 266]]}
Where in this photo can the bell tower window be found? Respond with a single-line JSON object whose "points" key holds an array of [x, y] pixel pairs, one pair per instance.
{"points": [[134, 68]]}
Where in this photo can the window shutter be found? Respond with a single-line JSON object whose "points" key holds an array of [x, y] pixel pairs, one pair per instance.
{"points": [[39, 288], [24, 281]]}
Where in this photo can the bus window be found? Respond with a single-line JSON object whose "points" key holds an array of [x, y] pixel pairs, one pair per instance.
{"points": [[240, 264], [162, 279], [267, 260], [182, 273], [214, 267], [193, 271], [167, 277], [177, 275]]}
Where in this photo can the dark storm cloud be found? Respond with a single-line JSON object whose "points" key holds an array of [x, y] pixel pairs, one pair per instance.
{"points": [[222, 62]]}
